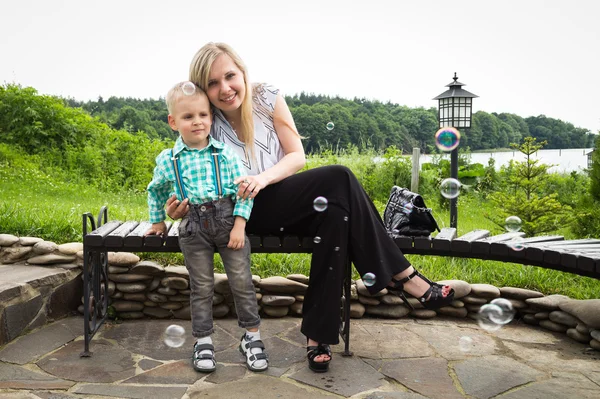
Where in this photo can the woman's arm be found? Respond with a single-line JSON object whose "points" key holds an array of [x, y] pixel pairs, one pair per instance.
{"points": [[293, 160]]}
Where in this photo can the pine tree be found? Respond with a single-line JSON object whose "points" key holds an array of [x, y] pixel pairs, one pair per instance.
{"points": [[523, 195]]}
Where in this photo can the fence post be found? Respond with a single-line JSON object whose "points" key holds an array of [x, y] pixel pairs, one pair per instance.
{"points": [[414, 176]]}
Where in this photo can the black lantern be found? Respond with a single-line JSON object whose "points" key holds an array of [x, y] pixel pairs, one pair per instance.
{"points": [[454, 110]]}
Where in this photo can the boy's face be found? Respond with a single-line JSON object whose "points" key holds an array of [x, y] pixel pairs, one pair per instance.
{"points": [[192, 118]]}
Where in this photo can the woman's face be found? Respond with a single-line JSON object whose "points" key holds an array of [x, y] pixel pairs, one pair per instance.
{"points": [[226, 87]]}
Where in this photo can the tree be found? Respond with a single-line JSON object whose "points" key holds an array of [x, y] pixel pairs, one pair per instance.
{"points": [[523, 195]]}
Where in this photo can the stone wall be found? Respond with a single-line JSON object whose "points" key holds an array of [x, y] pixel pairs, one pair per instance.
{"points": [[140, 289], [39, 282]]}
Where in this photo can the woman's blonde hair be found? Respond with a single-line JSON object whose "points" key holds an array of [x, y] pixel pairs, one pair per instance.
{"points": [[200, 73]]}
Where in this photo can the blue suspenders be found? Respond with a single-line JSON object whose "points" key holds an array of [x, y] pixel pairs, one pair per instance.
{"points": [[216, 173]]}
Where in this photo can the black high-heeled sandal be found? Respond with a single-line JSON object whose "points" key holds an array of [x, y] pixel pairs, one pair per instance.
{"points": [[434, 293], [317, 350]]}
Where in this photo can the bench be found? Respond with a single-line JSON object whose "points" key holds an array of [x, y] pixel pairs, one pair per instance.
{"points": [[580, 257]]}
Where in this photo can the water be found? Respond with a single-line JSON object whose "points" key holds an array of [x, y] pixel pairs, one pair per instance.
{"points": [[566, 161]]}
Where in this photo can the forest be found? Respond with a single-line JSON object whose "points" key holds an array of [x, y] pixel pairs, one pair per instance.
{"points": [[360, 122]]}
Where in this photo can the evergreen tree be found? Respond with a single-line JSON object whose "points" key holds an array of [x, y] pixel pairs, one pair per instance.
{"points": [[523, 195]]}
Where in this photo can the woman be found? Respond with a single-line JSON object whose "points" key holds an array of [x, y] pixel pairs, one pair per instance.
{"points": [[256, 122]]}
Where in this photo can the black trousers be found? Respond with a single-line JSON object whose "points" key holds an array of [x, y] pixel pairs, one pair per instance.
{"points": [[349, 227]]}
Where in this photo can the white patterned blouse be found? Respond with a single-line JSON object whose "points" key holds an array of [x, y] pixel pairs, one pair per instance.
{"points": [[268, 149]]}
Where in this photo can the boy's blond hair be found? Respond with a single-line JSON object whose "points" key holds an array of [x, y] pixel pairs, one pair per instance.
{"points": [[182, 89]]}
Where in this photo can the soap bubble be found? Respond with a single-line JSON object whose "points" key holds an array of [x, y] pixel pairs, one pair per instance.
{"points": [[513, 223], [369, 279], [450, 188], [447, 139], [516, 245], [488, 313], [408, 208], [188, 88], [507, 313], [336, 249], [465, 343], [320, 204], [317, 239], [345, 218], [330, 125], [174, 336]]}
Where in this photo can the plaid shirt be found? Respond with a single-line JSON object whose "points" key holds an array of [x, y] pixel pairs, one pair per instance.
{"points": [[198, 176]]}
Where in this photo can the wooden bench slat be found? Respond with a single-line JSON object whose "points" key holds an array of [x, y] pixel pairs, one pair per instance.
{"points": [[506, 248], [583, 241], [291, 243], [115, 238], [483, 245], [96, 237], [271, 242], [155, 241], [172, 240], [308, 243], [404, 242], [135, 239], [422, 242], [442, 240], [463, 243], [255, 241]]}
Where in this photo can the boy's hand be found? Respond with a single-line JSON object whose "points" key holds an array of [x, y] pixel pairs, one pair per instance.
{"points": [[157, 229], [237, 235], [237, 239], [175, 209]]}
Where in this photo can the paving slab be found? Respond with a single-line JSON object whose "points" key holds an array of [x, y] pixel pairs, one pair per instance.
{"points": [[179, 372], [148, 364], [564, 356], [394, 395], [445, 339], [347, 376], [109, 363], [255, 386], [489, 376], [225, 374], [387, 341], [132, 391], [54, 395], [138, 336], [32, 346], [553, 389], [525, 333], [17, 377], [428, 377]]}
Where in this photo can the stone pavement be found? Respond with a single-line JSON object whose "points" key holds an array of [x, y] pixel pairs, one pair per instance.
{"points": [[400, 359]]}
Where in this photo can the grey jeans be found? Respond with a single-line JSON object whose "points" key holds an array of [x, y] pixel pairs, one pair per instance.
{"points": [[205, 228]]}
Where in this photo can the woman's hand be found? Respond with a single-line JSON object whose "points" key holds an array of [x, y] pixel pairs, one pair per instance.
{"points": [[250, 186], [176, 209]]}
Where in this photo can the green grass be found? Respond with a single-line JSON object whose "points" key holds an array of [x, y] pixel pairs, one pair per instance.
{"points": [[33, 203]]}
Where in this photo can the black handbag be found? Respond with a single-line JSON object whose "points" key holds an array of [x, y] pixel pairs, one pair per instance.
{"points": [[406, 214]]}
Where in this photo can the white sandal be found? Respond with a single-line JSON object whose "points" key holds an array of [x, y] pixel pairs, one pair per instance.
{"points": [[197, 357], [246, 346]]}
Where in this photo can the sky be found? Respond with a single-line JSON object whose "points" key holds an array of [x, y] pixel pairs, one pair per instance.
{"points": [[528, 57]]}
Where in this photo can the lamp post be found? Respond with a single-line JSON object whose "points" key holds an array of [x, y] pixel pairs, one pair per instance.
{"points": [[454, 110]]}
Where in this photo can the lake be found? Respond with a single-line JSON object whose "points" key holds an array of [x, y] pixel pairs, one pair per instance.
{"points": [[566, 161]]}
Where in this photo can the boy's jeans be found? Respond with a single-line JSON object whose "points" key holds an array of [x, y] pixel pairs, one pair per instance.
{"points": [[204, 228]]}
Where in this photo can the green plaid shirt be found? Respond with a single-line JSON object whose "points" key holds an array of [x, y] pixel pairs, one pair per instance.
{"points": [[198, 176]]}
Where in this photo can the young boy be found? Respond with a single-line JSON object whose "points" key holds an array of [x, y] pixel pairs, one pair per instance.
{"points": [[203, 170]]}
